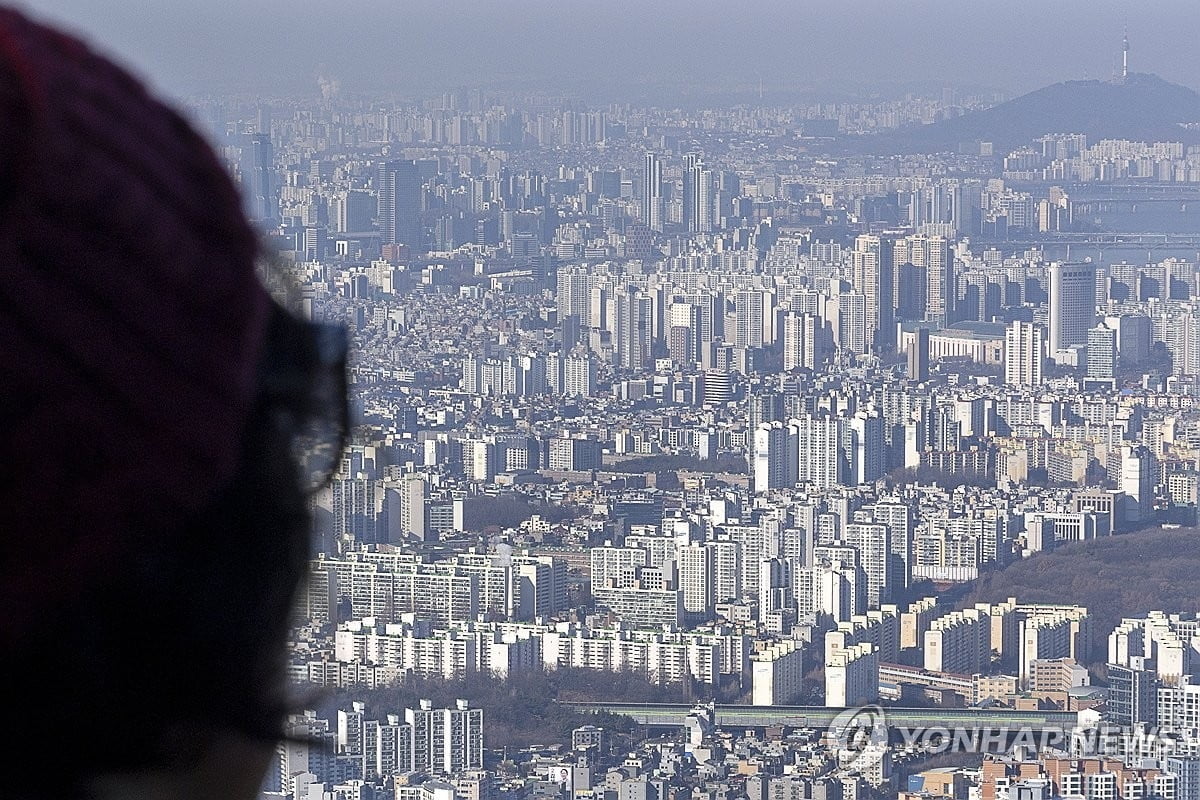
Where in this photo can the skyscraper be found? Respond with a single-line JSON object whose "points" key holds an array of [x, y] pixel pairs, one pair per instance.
{"points": [[918, 356], [691, 163], [818, 448], [864, 448], [939, 275], [258, 179], [1101, 352], [801, 348], [634, 325], [748, 312], [1023, 354], [873, 542], [698, 195], [399, 188], [696, 579], [872, 264], [1072, 304], [848, 311], [769, 457], [653, 209]]}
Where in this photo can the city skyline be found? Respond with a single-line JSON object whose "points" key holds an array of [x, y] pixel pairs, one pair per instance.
{"points": [[697, 427], [671, 51]]}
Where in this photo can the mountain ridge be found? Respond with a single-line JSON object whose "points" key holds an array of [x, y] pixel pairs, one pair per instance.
{"points": [[1141, 107]]}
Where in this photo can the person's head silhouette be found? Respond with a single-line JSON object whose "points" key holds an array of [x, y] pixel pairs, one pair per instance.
{"points": [[153, 400]]}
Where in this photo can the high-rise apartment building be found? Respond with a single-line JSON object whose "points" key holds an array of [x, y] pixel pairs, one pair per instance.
{"points": [[1023, 354], [748, 317], [634, 328], [653, 206], [872, 262], [801, 345], [1101, 352], [939, 276]]}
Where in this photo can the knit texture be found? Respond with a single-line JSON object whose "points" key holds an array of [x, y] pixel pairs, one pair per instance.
{"points": [[131, 318]]}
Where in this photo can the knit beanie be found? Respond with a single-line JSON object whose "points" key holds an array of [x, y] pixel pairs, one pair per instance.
{"points": [[131, 319]]}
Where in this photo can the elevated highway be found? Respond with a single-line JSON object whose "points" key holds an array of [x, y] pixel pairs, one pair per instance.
{"points": [[1000, 720], [1104, 240]]}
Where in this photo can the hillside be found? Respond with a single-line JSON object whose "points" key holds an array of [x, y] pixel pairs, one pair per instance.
{"points": [[1141, 108], [1115, 577]]}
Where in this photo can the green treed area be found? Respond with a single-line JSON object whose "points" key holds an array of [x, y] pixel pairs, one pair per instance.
{"points": [[1114, 577], [518, 711]]}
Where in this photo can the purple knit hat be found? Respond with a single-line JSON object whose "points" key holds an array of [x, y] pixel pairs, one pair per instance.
{"points": [[131, 318]]}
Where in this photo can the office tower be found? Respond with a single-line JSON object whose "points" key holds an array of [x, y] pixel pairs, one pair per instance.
{"points": [[400, 188], [525, 246], [351, 211], [801, 345], [918, 356], [1135, 334], [1101, 352], [653, 208], [718, 386], [872, 262], [1072, 309], [259, 189], [1023, 354]]}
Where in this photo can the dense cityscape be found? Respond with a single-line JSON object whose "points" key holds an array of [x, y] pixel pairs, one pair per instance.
{"points": [[705, 432]]}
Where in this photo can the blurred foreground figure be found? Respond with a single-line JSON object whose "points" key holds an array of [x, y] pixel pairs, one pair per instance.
{"points": [[153, 403]]}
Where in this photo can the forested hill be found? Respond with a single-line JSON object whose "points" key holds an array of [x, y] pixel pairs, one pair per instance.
{"points": [[1115, 577], [1140, 108]]}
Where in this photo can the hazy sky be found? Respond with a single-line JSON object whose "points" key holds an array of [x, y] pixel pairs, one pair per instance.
{"points": [[619, 46]]}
